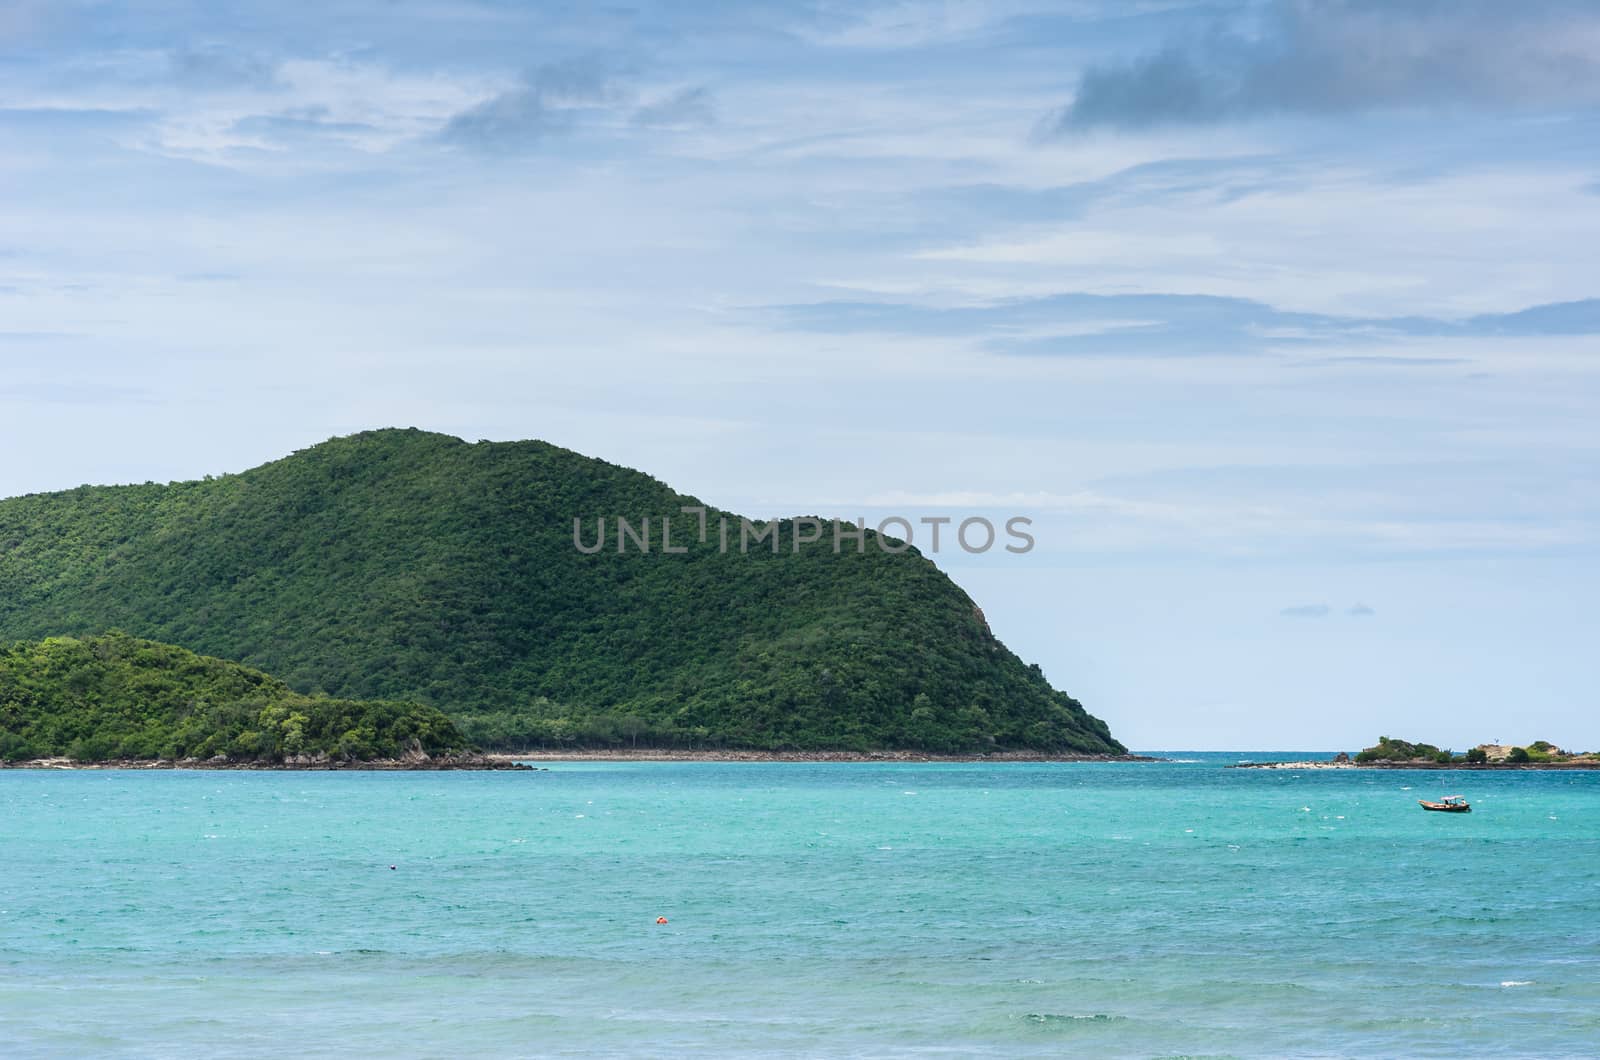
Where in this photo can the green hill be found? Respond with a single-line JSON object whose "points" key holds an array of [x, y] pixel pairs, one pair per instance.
{"points": [[116, 697], [404, 564]]}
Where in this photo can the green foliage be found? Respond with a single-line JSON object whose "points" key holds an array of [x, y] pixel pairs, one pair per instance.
{"points": [[1390, 750], [115, 696], [408, 565]]}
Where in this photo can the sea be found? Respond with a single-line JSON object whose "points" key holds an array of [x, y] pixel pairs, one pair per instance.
{"points": [[1140, 909]]}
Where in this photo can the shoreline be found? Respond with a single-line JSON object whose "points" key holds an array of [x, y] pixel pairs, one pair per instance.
{"points": [[658, 755], [503, 760], [376, 765], [1438, 766]]}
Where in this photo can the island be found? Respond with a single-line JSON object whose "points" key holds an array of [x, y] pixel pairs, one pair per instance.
{"points": [[116, 700], [1390, 753], [539, 598]]}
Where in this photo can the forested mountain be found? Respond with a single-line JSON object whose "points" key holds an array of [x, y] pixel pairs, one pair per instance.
{"points": [[115, 696], [405, 564]]}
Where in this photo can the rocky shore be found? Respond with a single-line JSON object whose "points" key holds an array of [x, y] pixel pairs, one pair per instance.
{"points": [[659, 755], [413, 763], [1474, 766], [518, 760], [1578, 763]]}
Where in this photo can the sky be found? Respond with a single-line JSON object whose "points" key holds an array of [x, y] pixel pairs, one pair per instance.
{"points": [[1278, 318]]}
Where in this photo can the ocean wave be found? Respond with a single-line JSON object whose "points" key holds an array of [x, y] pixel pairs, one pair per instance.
{"points": [[1069, 1020]]}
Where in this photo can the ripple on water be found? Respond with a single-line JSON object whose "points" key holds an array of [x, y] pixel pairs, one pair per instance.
{"points": [[1026, 911]]}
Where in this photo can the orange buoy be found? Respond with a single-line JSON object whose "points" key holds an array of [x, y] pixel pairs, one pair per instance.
{"points": [[661, 920]]}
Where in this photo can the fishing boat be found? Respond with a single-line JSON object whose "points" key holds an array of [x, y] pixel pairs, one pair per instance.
{"points": [[1448, 804]]}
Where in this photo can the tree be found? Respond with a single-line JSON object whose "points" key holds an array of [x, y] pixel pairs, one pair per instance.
{"points": [[117, 697], [632, 725]]}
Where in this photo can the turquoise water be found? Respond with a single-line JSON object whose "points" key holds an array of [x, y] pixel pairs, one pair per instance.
{"points": [[1134, 910]]}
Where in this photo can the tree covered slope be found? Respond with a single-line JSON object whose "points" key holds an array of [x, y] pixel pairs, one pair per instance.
{"points": [[115, 696], [404, 564]]}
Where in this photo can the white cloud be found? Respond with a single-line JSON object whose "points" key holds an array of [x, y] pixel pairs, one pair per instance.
{"points": [[1342, 240]]}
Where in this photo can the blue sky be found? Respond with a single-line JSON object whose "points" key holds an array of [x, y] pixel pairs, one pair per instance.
{"points": [[1279, 318]]}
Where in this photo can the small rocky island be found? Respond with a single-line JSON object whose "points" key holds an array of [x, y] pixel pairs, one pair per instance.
{"points": [[116, 701], [1389, 753]]}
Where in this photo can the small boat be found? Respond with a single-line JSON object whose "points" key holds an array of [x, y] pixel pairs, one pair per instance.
{"points": [[1448, 804]]}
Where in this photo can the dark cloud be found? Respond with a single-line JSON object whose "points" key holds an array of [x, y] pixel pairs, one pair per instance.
{"points": [[298, 123], [512, 120], [217, 67], [689, 106], [546, 103], [1556, 318], [1307, 611], [1328, 56]]}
